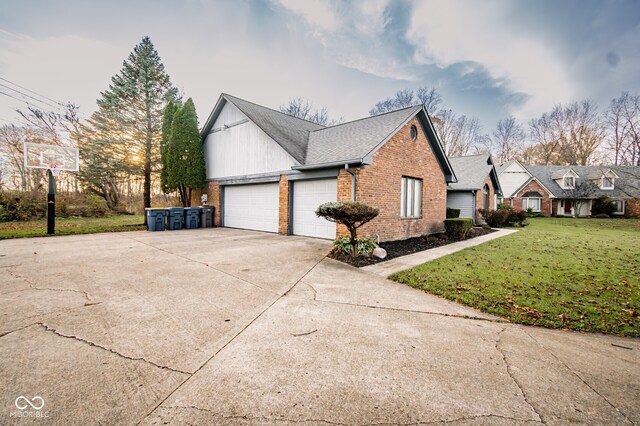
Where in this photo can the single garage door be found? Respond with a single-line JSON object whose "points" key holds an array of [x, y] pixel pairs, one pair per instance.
{"points": [[252, 206], [307, 196], [463, 201]]}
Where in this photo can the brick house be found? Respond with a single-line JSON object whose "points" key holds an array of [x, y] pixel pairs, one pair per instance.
{"points": [[547, 189], [477, 188], [269, 171]]}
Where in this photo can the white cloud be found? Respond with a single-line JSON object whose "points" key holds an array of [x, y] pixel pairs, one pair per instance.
{"points": [[317, 12], [449, 32]]}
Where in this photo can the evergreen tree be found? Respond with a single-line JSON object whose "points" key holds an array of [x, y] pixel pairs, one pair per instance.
{"points": [[184, 154], [126, 129], [167, 119]]}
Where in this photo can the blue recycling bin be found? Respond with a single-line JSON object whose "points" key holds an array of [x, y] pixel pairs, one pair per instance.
{"points": [[206, 221], [191, 216], [155, 219], [175, 218]]}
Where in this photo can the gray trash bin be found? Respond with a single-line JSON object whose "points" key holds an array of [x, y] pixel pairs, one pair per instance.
{"points": [[155, 219], [175, 218], [191, 217], [206, 220]]}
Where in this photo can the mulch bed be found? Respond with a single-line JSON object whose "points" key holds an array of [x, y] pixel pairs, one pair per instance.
{"points": [[404, 247]]}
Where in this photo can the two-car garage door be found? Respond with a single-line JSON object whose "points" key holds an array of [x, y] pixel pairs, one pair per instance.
{"points": [[255, 206]]}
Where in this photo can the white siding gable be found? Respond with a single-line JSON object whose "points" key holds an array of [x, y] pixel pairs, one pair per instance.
{"points": [[512, 178], [243, 149]]}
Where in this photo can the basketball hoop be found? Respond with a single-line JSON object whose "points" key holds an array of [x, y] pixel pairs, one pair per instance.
{"points": [[55, 171]]}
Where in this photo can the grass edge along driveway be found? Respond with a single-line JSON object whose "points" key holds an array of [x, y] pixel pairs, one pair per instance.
{"points": [[72, 225], [577, 274]]}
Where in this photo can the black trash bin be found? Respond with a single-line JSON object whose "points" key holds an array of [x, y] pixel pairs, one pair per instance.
{"points": [[207, 216], [191, 217], [175, 218], [155, 219]]}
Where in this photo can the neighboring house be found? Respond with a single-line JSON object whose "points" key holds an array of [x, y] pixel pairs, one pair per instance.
{"points": [[269, 171], [477, 187], [548, 189]]}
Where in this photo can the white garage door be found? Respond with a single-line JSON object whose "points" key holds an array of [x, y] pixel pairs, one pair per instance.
{"points": [[252, 206], [463, 201], [307, 196]]}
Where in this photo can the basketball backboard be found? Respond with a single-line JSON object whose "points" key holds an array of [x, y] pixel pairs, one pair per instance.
{"points": [[52, 157]]}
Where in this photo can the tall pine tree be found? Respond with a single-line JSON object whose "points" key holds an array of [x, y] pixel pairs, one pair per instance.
{"points": [[184, 154], [167, 119], [127, 126]]}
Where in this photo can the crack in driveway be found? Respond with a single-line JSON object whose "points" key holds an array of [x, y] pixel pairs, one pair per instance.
{"points": [[80, 339], [234, 336], [510, 373], [580, 378]]}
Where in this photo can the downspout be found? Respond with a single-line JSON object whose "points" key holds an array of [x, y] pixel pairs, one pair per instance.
{"points": [[475, 213], [353, 181]]}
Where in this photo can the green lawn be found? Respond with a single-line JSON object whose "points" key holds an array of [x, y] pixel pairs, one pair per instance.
{"points": [[579, 274], [72, 225]]}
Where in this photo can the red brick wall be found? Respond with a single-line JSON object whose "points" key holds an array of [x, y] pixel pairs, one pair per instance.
{"points": [[632, 208], [212, 189], [480, 196], [283, 209], [379, 186], [545, 208]]}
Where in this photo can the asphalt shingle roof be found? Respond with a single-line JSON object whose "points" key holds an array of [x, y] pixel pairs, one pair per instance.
{"points": [[355, 139], [627, 185], [502, 166], [471, 171], [290, 132]]}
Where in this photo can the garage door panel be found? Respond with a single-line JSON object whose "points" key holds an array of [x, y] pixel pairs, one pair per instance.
{"points": [[463, 201], [307, 196], [252, 207]]}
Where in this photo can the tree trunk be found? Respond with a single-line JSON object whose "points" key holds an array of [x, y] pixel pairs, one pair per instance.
{"points": [[147, 162], [353, 240]]}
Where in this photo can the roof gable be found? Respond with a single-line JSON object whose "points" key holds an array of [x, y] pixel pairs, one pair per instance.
{"points": [[291, 133], [472, 172]]}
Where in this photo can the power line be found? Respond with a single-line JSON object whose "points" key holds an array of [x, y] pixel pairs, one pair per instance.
{"points": [[29, 96], [35, 93]]}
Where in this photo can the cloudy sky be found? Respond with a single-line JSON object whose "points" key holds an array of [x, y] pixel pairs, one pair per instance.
{"points": [[488, 58]]}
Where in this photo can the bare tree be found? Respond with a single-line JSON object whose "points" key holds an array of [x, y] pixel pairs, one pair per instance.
{"points": [[427, 96], [582, 192], [460, 135], [507, 141], [623, 123], [304, 109]]}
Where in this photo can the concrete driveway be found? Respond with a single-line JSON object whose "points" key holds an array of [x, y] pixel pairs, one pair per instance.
{"points": [[222, 326]]}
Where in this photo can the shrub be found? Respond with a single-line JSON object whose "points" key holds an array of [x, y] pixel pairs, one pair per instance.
{"points": [[602, 216], [494, 218], [364, 246], [453, 213], [504, 206], [457, 228], [603, 205], [16, 205], [517, 218], [350, 214]]}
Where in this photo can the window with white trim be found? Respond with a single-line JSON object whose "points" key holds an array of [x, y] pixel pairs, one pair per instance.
{"points": [[532, 200], [411, 198], [569, 182], [619, 206], [607, 183]]}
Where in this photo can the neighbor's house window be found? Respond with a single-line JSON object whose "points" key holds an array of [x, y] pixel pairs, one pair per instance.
{"points": [[619, 206], [532, 200], [569, 182], [411, 197], [607, 183]]}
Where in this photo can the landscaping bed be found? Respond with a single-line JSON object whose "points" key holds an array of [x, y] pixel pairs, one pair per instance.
{"points": [[404, 247]]}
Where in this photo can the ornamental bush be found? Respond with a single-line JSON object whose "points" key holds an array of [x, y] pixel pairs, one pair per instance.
{"points": [[603, 205], [517, 218], [452, 213], [494, 218], [457, 228], [350, 214], [364, 246]]}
